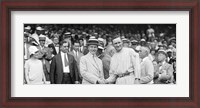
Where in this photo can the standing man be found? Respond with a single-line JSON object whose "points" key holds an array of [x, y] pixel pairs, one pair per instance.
{"points": [[124, 66], [63, 68], [146, 66], [77, 55], [45, 56], [164, 71], [91, 67]]}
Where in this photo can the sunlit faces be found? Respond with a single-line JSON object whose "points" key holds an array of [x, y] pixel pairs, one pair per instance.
{"points": [[76, 46], [42, 42], [161, 57], [36, 55], [143, 52], [92, 49], [118, 44], [64, 47], [55, 40]]}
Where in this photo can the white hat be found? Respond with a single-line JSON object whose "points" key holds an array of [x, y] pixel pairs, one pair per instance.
{"points": [[39, 28], [142, 40], [137, 48], [169, 50], [27, 28], [33, 49], [100, 39], [67, 33], [36, 38]]}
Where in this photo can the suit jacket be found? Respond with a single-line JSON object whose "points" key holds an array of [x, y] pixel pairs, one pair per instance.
{"points": [[77, 61], [56, 69], [89, 70], [166, 73], [147, 71], [106, 65]]}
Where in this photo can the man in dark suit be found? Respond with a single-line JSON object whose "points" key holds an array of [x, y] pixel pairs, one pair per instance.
{"points": [[63, 68]]}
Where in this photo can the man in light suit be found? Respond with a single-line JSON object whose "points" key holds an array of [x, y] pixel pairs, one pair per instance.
{"points": [[77, 55], [164, 71], [91, 67], [63, 68], [147, 69]]}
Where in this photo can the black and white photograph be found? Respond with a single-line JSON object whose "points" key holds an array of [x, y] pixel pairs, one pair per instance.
{"points": [[123, 54]]}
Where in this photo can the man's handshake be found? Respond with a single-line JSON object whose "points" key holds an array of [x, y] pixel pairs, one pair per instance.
{"points": [[103, 81]]}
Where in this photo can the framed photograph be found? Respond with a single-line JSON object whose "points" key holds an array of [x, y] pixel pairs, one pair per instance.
{"points": [[53, 53]]}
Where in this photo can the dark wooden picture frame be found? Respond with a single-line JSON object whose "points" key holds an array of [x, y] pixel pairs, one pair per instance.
{"points": [[127, 5]]}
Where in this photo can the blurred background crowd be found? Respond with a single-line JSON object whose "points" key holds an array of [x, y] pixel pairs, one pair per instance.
{"points": [[47, 37]]}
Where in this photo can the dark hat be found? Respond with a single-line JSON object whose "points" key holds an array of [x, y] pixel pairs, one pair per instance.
{"points": [[93, 41]]}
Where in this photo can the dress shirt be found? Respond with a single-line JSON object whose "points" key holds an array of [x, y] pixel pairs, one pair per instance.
{"points": [[65, 68]]}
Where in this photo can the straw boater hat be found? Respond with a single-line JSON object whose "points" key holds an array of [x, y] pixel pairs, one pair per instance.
{"points": [[39, 28], [27, 28], [67, 34], [93, 41]]}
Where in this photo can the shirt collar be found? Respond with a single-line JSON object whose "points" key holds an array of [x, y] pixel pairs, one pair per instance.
{"points": [[91, 54], [145, 58], [62, 53]]}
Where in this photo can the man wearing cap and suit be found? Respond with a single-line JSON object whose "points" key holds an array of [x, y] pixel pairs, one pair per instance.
{"points": [[77, 55], [91, 67], [45, 56], [63, 68], [163, 71]]}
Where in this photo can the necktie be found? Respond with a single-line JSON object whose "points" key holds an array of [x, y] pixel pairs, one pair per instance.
{"points": [[96, 63], [76, 54], [66, 62]]}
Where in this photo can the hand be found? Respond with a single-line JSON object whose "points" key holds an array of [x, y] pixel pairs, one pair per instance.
{"points": [[77, 82], [107, 82], [137, 81], [101, 81]]}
